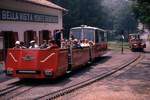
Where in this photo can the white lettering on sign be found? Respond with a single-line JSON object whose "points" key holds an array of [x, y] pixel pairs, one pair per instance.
{"points": [[11, 15]]}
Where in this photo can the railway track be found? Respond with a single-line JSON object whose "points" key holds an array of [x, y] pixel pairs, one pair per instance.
{"points": [[9, 89], [18, 90], [14, 90], [69, 89]]}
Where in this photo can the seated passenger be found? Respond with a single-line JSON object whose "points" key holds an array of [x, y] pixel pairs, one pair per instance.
{"points": [[52, 44], [76, 44], [17, 44], [33, 44], [57, 37], [44, 44], [68, 43], [63, 44], [91, 43], [85, 43], [22, 45]]}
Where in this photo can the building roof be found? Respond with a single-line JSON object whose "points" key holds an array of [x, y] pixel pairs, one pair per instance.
{"points": [[45, 3]]}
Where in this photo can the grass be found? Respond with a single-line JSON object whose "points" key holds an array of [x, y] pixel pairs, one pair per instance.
{"points": [[117, 45]]}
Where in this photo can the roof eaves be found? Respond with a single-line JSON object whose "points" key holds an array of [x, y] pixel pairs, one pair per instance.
{"points": [[45, 5]]}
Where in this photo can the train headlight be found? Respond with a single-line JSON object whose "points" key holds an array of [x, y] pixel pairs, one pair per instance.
{"points": [[48, 73], [135, 44], [9, 71]]}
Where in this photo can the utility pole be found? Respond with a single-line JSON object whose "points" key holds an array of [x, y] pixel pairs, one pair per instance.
{"points": [[122, 38]]}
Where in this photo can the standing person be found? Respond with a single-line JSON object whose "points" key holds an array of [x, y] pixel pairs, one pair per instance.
{"points": [[57, 37], [63, 44]]}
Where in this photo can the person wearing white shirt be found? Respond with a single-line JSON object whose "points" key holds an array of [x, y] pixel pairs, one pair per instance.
{"points": [[33, 44]]}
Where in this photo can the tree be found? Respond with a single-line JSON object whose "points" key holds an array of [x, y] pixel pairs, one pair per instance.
{"points": [[119, 15], [106, 14], [142, 11], [81, 12]]}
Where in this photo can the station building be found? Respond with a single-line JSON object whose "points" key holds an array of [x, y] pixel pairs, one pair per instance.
{"points": [[25, 20]]}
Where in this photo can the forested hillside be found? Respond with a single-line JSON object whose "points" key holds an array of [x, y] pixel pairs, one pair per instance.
{"points": [[142, 11], [113, 15]]}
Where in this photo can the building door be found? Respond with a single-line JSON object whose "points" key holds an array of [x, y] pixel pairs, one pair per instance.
{"points": [[9, 39], [44, 35], [28, 36]]}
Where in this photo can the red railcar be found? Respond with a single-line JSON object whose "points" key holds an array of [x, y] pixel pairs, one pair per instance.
{"points": [[136, 43], [55, 62]]}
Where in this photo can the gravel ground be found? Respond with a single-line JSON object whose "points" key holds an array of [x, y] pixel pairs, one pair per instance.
{"points": [[110, 61], [106, 64], [133, 84]]}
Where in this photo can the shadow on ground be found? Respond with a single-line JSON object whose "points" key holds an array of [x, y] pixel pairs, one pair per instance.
{"points": [[136, 79]]}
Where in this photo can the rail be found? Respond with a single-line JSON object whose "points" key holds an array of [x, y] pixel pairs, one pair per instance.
{"points": [[69, 89]]}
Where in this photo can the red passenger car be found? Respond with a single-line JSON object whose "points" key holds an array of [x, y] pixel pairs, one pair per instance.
{"points": [[55, 62]]}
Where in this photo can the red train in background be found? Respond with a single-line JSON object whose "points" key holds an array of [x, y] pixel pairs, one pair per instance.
{"points": [[55, 62], [136, 43]]}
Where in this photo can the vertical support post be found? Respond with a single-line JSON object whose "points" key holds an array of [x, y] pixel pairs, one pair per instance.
{"points": [[122, 42], [82, 32], [69, 59], [122, 47], [90, 55]]}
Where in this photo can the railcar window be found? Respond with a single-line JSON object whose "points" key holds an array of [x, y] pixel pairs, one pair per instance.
{"points": [[98, 37], [135, 36], [89, 34], [76, 33], [102, 36], [105, 36]]}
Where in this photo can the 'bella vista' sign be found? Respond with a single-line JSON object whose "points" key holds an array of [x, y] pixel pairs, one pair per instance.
{"points": [[11, 15]]}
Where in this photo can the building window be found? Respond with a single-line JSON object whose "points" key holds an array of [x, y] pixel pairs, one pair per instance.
{"points": [[28, 36], [44, 35]]}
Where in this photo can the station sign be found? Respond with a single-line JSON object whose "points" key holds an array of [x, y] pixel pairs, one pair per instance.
{"points": [[11, 15]]}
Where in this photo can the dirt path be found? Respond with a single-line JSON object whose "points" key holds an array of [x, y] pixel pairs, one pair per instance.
{"points": [[132, 84]]}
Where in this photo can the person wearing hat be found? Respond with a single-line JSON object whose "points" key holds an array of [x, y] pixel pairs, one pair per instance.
{"points": [[52, 44], [44, 44], [76, 44], [22, 45], [17, 44], [33, 44]]}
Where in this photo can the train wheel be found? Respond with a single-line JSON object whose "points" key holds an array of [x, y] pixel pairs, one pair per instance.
{"points": [[132, 49], [24, 79]]}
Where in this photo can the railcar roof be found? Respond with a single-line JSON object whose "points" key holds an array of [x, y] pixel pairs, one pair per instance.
{"points": [[87, 27], [134, 34]]}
